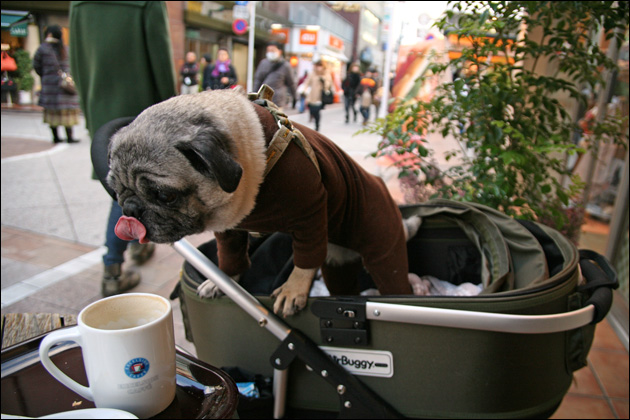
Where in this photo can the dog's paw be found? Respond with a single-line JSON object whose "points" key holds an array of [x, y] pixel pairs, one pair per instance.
{"points": [[287, 301], [208, 290], [291, 297]]}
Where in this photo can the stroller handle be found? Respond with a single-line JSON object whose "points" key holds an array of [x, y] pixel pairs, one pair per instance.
{"points": [[487, 321]]}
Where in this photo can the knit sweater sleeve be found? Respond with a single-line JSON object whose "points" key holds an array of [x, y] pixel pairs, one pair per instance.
{"points": [[310, 234]]}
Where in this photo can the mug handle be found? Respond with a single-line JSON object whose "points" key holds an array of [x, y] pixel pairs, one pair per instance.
{"points": [[68, 334]]}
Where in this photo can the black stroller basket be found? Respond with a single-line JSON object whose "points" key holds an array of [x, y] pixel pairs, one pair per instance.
{"points": [[508, 352]]}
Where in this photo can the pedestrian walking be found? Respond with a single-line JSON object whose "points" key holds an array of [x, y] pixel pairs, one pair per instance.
{"points": [[61, 108], [316, 83], [276, 72], [190, 74], [367, 88], [120, 70], [206, 68], [350, 85], [301, 92]]}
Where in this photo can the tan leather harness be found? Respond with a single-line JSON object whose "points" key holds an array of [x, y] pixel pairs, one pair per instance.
{"points": [[286, 131]]}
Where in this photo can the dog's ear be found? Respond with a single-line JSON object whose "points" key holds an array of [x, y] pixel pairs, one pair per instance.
{"points": [[209, 157]]}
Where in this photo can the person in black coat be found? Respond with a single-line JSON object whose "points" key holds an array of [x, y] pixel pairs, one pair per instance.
{"points": [[222, 75], [189, 71], [60, 107], [350, 86]]}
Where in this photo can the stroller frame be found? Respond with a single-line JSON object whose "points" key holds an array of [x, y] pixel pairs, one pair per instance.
{"points": [[356, 400]]}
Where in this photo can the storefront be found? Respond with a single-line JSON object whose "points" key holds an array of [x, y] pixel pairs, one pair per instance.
{"points": [[20, 39], [14, 28], [307, 44], [208, 26]]}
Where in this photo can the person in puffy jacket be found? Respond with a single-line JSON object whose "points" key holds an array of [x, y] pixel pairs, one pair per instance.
{"points": [[318, 81], [60, 107], [222, 75], [276, 72]]}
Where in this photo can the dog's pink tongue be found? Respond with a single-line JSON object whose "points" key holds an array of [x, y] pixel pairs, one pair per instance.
{"points": [[130, 228]]}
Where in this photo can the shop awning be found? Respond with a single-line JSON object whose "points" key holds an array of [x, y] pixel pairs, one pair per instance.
{"points": [[12, 18], [335, 54]]}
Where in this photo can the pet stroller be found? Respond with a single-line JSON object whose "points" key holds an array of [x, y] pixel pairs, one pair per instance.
{"points": [[508, 352]]}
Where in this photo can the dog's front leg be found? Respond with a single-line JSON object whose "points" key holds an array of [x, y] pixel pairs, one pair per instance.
{"points": [[209, 290], [291, 297]]}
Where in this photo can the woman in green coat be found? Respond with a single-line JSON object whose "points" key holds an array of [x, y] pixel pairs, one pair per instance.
{"points": [[122, 62]]}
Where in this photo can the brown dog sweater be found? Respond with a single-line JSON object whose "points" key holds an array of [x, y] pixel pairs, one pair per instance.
{"points": [[345, 206]]}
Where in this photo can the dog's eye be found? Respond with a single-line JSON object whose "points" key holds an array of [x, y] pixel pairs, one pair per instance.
{"points": [[166, 197]]}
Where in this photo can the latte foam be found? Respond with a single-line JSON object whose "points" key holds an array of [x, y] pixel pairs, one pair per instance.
{"points": [[124, 312]]}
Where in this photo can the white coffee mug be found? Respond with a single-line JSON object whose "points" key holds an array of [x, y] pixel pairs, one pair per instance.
{"points": [[128, 347]]}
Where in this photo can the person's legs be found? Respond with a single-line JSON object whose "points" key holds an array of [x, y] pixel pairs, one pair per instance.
{"points": [[115, 246], [185, 89], [55, 134], [69, 134], [314, 112], [317, 116], [302, 103], [348, 104], [366, 114]]}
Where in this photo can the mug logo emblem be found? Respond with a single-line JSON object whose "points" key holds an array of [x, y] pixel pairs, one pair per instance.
{"points": [[137, 368]]}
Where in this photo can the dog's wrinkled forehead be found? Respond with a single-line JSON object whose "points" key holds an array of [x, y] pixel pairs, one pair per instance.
{"points": [[162, 125]]}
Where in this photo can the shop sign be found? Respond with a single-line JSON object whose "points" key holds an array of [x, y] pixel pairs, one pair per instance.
{"points": [[308, 37], [346, 6], [240, 12], [194, 6], [20, 30], [335, 42], [282, 35]]}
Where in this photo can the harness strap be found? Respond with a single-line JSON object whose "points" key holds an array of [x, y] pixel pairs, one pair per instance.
{"points": [[285, 134]]}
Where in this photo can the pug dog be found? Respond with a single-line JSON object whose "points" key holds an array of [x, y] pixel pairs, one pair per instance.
{"points": [[197, 162]]}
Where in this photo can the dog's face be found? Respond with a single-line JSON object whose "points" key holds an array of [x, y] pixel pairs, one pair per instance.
{"points": [[174, 169]]}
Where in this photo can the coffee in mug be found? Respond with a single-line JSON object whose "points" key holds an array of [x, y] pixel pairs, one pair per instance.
{"points": [[128, 347]]}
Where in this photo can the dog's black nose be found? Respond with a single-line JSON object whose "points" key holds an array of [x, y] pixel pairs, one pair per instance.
{"points": [[132, 207]]}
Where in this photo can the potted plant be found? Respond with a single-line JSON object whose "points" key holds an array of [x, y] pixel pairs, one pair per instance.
{"points": [[503, 110], [24, 78]]}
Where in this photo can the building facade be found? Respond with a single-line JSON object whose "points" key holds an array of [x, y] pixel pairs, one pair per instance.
{"points": [[309, 31]]}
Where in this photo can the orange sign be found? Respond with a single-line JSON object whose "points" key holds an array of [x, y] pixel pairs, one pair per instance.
{"points": [[308, 37], [335, 42], [282, 35]]}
